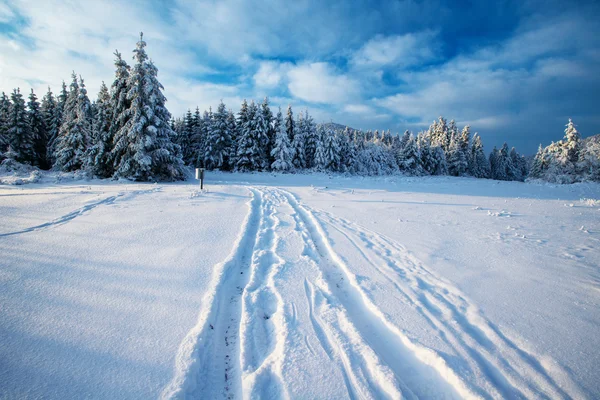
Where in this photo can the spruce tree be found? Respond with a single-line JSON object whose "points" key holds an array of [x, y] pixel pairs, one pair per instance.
{"points": [[20, 139], [234, 134], [537, 166], [248, 155], [281, 152], [479, 166], [218, 145], [51, 116], [332, 151], [266, 134], [320, 156], [120, 106], [299, 143], [37, 127], [4, 122], [184, 138], [99, 161], [309, 131], [409, 160], [457, 158], [145, 144], [74, 134]]}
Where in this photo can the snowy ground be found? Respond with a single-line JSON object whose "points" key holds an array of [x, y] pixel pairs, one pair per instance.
{"points": [[300, 286]]}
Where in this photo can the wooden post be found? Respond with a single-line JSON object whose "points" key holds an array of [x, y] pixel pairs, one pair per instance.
{"points": [[200, 176]]}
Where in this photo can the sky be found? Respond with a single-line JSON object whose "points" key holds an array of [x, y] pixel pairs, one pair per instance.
{"points": [[514, 70]]}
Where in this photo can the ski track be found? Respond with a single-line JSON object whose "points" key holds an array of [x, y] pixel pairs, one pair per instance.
{"points": [[256, 321], [78, 212], [502, 369]]}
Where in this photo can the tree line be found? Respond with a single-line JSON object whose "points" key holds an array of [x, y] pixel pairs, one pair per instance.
{"points": [[128, 132]]}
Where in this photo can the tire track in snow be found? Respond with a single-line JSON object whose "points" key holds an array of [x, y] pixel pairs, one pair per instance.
{"points": [[76, 213], [208, 359], [509, 370], [395, 365]]}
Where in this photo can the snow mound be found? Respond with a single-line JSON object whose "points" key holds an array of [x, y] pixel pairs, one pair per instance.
{"points": [[15, 173]]}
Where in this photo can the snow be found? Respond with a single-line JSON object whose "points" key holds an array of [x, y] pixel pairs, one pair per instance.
{"points": [[300, 286]]}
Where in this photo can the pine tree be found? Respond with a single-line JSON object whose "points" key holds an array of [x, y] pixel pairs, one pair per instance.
{"points": [[537, 166], [457, 158], [517, 166], [320, 156], [37, 127], [299, 143], [347, 150], [120, 106], [266, 134], [4, 122], [479, 166], [144, 145], [282, 152], [54, 129], [309, 131], [50, 115], [500, 163], [440, 135], [249, 147], [184, 138], [409, 159], [20, 138], [219, 140], [332, 151], [234, 134], [572, 143], [98, 157], [74, 134]]}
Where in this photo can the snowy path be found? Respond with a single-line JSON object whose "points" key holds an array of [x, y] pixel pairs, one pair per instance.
{"points": [[288, 318]]}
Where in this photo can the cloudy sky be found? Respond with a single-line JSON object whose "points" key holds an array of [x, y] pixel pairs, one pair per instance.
{"points": [[516, 71]]}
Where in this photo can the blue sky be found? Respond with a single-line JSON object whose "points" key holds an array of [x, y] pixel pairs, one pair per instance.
{"points": [[515, 71]]}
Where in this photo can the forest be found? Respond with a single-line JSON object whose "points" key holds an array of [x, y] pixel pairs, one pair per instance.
{"points": [[128, 132]]}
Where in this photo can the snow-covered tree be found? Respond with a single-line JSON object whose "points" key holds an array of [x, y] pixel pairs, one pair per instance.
{"points": [[311, 136], [37, 127], [98, 160], [120, 106], [281, 152], [74, 134], [218, 144], [4, 122], [589, 161], [457, 157], [537, 165], [184, 137], [234, 134], [249, 151], [51, 116], [320, 157], [347, 150], [145, 147], [479, 165], [299, 143], [20, 139], [290, 127], [266, 134], [332, 151], [409, 159], [518, 166]]}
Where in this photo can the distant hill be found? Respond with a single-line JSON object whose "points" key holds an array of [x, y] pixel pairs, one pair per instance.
{"points": [[336, 127]]}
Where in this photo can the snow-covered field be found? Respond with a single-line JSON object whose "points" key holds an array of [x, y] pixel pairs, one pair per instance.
{"points": [[300, 286]]}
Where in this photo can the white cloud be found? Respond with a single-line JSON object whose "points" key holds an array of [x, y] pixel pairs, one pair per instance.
{"points": [[270, 74], [358, 109], [319, 83], [399, 50]]}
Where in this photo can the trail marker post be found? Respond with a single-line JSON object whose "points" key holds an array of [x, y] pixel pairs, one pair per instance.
{"points": [[200, 176]]}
